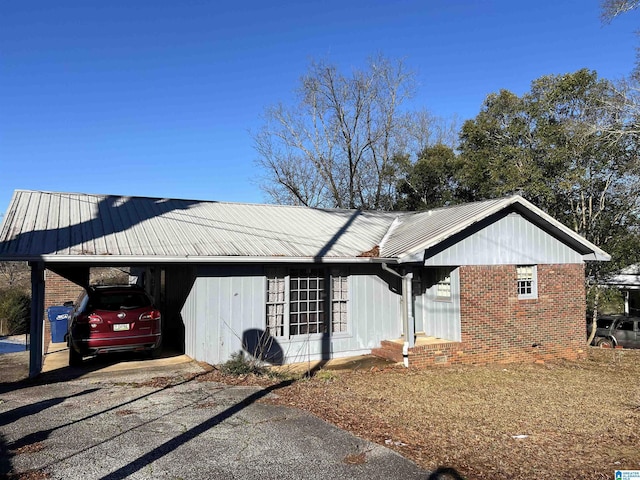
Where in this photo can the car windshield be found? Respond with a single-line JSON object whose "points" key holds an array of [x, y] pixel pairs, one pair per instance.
{"points": [[120, 301]]}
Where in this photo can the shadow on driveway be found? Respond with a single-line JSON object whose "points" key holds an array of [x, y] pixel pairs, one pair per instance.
{"points": [[109, 429]]}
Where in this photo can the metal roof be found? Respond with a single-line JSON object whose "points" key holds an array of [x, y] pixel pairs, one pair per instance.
{"points": [[74, 227], [628, 278], [417, 231], [414, 233], [56, 226]]}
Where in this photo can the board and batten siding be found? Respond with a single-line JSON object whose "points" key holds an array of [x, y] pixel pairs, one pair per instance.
{"points": [[437, 317], [511, 240], [224, 303]]}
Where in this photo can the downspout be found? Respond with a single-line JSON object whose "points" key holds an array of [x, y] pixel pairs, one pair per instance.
{"points": [[406, 283]]}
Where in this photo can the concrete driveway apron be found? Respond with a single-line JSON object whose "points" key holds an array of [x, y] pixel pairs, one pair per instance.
{"points": [[125, 426]]}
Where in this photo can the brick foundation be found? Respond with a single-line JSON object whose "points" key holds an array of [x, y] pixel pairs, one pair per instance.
{"points": [[497, 327]]}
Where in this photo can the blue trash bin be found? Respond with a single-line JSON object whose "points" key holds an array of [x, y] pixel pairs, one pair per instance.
{"points": [[58, 319]]}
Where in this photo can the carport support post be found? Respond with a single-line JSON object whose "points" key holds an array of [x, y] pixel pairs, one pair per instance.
{"points": [[36, 329]]}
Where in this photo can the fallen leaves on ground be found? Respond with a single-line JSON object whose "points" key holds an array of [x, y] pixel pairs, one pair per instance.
{"points": [[30, 448], [575, 420]]}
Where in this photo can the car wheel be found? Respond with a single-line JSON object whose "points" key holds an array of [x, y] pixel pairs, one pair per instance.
{"points": [[154, 353], [604, 343], [75, 359]]}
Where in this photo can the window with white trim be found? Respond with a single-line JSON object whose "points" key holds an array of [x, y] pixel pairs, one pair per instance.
{"points": [[443, 287], [305, 301], [339, 299], [527, 281], [275, 302]]}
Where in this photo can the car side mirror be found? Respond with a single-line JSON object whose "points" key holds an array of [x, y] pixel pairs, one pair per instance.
{"points": [[68, 304]]}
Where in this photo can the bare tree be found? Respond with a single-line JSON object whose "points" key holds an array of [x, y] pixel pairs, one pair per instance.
{"points": [[427, 130], [612, 8], [340, 144], [14, 274]]}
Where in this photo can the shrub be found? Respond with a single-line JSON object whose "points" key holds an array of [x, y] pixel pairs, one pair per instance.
{"points": [[15, 311], [239, 364]]}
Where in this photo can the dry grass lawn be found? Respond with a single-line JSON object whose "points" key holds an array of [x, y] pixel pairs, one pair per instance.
{"points": [[570, 420]]}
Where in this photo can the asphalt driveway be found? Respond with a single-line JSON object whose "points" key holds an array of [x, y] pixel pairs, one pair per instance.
{"points": [[143, 424]]}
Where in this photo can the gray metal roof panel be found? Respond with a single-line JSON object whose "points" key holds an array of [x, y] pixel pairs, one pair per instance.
{"points": [[61, 224], [414, 233], [417, 231]]}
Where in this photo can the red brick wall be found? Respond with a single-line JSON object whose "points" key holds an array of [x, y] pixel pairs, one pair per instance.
{"points": [[497, 327], [57, 291]]}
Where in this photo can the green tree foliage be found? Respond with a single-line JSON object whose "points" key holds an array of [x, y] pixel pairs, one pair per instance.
{"points": [[15, 311], [497, 150], [544, 146], [554, 145], [431, 181]]}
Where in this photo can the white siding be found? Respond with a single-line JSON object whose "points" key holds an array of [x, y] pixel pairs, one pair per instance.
{"points": [[226, 303], [436, 317], [511, 240], [219, 308]]}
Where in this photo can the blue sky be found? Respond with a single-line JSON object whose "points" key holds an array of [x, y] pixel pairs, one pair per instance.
{"points": [[158, 98]]}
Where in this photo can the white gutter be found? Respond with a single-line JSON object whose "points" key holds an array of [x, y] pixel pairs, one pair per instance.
{"points": [[406, 305]]}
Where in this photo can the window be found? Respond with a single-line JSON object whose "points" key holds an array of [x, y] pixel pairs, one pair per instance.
{"points": [[339, 294], [306, 302], [527, 281], [443, 287], [275, 302], [626, 325], [297, 301]]}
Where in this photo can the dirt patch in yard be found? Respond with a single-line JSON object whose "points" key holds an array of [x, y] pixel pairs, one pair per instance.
{"points": [[572, 420]]}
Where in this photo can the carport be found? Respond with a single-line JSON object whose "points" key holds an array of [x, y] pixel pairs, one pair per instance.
{"points": [[207, 265], [156, 277], [68, 236]]}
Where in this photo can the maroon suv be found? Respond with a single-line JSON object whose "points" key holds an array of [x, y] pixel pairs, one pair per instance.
{"points": [[113, 319]]}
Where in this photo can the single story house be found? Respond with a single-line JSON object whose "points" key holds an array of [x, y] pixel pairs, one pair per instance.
{"points": [[491, 281]]}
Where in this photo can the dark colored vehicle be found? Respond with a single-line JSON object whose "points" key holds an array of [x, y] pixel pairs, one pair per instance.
{"points": [[613, 331], [113, 319]]}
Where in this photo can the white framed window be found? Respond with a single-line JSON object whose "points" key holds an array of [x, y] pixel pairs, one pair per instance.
{"points": [[527, 278], [443, 287], [275, 301], [306, 301], [339, 299]]}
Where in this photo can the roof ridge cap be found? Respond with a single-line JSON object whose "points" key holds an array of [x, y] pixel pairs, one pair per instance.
{"points": [[394, 225]]}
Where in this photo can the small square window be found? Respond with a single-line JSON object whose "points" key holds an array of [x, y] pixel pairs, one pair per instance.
{"points": [[443, 288], [440, 279]]}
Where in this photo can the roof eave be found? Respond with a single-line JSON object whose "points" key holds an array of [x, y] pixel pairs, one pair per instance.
{"points": [[131, 259], [590, 252], [456, 229], [600, 256]]}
